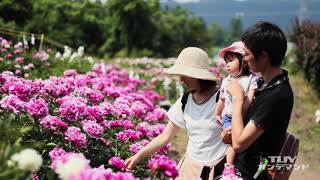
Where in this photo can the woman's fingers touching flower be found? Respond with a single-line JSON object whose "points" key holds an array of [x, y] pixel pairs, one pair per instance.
{"points": [[129, 164]]}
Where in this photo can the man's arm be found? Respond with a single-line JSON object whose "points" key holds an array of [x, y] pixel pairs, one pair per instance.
{"points": [[242, 136]]}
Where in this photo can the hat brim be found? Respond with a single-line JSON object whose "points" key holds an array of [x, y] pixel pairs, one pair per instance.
{"points": [[234, 49], [198, 73]]}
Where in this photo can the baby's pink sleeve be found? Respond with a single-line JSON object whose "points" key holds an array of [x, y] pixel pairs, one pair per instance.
{"points": [[253, 83]]}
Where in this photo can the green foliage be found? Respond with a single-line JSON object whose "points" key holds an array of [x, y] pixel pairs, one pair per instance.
{"points": [[73, 23], [217, 34], [306, 37], [11, 132], [59, 66], [131, 28], [15, 11], [234, 31]]}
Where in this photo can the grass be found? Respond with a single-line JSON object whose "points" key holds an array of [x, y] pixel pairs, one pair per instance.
{"points": [[302, 124]]}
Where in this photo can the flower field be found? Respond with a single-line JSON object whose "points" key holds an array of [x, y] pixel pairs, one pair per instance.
{"points": [[75, 122]]}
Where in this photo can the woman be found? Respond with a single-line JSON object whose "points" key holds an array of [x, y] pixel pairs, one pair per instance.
{"points": [[205, 154]]}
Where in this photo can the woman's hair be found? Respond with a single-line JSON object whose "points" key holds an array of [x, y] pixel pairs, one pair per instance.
{"points": [[245, 67], [206, 84]]}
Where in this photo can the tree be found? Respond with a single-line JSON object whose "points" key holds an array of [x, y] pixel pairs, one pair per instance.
{"points": [[217, 35], [71, 23], [131, 26], [16, 11], [235, 30]]}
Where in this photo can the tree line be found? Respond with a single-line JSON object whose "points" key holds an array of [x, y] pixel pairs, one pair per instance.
{"points": [[126, 28]]}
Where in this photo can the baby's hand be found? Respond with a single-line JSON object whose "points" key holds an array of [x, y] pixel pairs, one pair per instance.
{"points": [[226, 136]]}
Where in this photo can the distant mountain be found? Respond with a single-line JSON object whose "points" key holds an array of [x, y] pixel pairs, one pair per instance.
{"points": [[281, 12]]}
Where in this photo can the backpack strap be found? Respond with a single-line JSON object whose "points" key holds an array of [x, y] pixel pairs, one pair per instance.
{"points": [[290, 148], [185, 96], [218, 94]]}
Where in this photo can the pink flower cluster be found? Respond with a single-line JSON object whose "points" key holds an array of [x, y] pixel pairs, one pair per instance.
{"points": [[61, 160], [103, 174], [12, 103], [104, 107], [93, 129], [71, 108], [41, 55], [12, 55], [134, 148], [37, 108], [163, 164], [128, 134], [54, 124], [117, 162], [74, 135]]}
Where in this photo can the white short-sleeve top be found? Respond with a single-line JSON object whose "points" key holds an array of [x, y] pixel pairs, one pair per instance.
{"points": [[204, 143], [247, 82]]}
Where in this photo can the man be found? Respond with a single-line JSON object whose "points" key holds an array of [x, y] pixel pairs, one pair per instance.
{"points": [[261, 132]]}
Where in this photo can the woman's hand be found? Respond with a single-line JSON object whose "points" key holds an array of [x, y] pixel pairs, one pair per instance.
{"points": [[235, 90], [131, 162], [226, 136]]}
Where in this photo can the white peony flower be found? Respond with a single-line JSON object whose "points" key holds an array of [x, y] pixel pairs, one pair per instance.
{"points": [[317, 114], [72, 167], [90, 59], [18, 45], [73, 57], [67, 52], [80, 51], [166, 83], [28, 159], [58, 55]]}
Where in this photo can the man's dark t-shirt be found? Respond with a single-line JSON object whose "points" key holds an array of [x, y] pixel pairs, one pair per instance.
{"points": [[270, 110]]}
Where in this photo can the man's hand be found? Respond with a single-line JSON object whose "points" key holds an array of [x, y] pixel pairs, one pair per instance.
{"points": [[235, 90]]}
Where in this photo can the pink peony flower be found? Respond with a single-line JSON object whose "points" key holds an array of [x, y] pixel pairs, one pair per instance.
{"points": [[12, 103], [56, 153], [19, 59], [95, 113], [37, 108], [54, 124], [70, 72], [74, 135], [41, 55], [72, 108], [117, 162], [93, 129], [163, 164]]}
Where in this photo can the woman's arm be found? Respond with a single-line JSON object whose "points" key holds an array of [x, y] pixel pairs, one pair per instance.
{"points": [[154, 146]]}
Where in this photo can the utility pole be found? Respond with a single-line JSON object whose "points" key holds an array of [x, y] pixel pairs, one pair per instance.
{"points": [[303, 15]]}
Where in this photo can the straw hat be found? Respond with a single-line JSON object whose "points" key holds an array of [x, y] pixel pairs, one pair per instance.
{"points": [[192, 62]]}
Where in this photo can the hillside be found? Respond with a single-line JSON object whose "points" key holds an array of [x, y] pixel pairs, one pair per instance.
{"points": [[221, 11]]}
